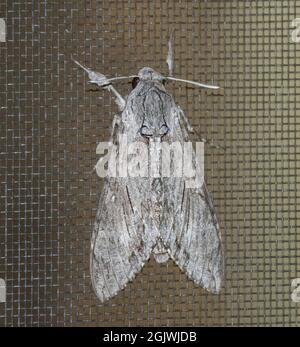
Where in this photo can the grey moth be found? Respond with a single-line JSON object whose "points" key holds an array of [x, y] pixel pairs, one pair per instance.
{"points": [[142, 215]]}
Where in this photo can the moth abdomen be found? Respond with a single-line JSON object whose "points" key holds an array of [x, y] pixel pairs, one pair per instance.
{"points": [[160, 254]]}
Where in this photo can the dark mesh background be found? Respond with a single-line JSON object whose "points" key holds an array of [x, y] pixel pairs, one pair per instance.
{"points": [[52, 120]]}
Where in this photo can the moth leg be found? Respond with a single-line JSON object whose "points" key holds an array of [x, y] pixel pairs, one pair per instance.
{"points": [[113, 135], [192, 130], [119, 100], [188, 126], [210, 143], [115, 125], [101, 81]]}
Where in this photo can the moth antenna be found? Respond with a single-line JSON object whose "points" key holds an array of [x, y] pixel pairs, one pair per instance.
{"points": [[170, 56], [104, 82], [95, 77], [121, 78], [84, 68], [210, 143], [98, 78], [202, 85]]}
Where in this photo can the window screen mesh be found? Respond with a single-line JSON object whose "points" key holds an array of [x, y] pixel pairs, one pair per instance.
{"points": [[52, 120]]}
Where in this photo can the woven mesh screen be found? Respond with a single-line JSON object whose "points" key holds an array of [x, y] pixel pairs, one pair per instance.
{"points": [[52, 120]]}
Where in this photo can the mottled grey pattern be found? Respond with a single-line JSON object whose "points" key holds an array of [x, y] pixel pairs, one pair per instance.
{"points": [[138, 216]]}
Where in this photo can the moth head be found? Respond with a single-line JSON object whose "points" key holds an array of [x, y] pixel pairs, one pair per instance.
{"points": [[147, 73]]}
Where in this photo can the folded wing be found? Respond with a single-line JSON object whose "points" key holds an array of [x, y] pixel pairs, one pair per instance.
{"points": [[121, 242]]}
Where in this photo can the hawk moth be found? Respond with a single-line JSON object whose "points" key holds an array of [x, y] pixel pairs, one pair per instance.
{"points": [[140, 216]]}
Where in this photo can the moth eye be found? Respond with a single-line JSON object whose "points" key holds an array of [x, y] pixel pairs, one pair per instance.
{"points": [[135, 82]]}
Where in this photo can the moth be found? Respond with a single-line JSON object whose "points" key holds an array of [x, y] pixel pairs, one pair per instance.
{"points": [[163, 216]]}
